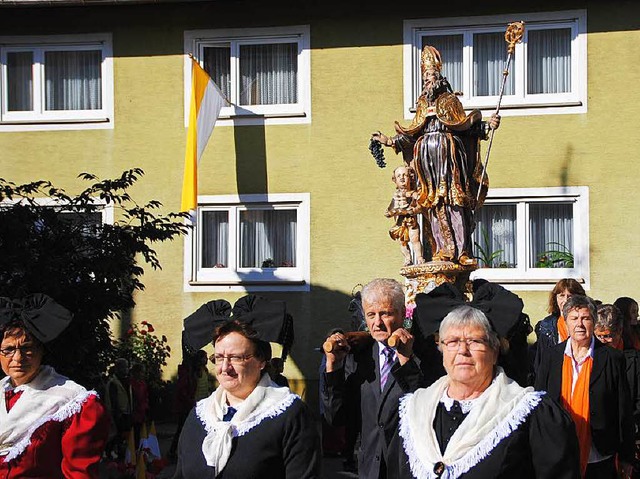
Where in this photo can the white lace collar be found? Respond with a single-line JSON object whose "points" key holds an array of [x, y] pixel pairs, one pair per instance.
{"points": [[499, 411], [465, 404], [266, 401], [48, 397]]}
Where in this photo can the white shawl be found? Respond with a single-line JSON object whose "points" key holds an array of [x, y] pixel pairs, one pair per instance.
{"points": [[499, 411], [266, 401], [48, 397]]}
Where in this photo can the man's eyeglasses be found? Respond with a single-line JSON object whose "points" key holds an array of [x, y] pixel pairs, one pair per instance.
{"points": [[232, 358], [474, 344], [26, 351]]}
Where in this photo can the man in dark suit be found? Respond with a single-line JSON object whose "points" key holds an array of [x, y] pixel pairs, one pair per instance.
{"points": [[608, 423], [382, 374]]}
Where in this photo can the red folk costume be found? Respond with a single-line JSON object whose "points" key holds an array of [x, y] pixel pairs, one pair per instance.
{"points": [[51, 428]]}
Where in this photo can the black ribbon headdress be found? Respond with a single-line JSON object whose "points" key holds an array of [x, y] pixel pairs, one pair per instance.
{"points": [[502, 308], [41, 315], [268, 317]]}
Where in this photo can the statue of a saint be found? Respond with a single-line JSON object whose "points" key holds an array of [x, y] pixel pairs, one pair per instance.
{"points": [[442, 145], [404, 208]]}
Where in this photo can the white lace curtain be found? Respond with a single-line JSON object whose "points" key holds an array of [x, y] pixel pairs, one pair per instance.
{"points": [[548, 61], [495, 236], [72, 80], [268, 73], [489, 61], [217, 63], [550, 229], [19, 81], [267, 239], [215, 239]]}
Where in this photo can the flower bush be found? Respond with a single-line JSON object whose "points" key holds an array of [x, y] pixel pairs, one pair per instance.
{"points": [[141, 345]]}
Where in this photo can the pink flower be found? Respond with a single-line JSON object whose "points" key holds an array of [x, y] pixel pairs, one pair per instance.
{"points": [[144, 322], [150, 328], [143, 332]]}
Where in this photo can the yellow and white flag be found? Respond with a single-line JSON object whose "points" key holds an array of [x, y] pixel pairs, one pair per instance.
{"points": [[206, 102]]}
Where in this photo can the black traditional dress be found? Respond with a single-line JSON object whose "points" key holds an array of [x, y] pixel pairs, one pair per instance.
{"points": [[508, 432], [284, 443]]}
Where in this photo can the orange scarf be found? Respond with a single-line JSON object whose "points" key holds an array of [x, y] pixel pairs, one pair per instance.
{"points": [[578, 404], [562, 329]]}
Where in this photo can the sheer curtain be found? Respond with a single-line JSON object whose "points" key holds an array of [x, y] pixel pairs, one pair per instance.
{"points": [[215, 239], [549, 61], [450, 48], [551, 227], [496, 233], [217, 63], [268, 238], [73, 80], [20, 81], [489, 61], [269, 74]]}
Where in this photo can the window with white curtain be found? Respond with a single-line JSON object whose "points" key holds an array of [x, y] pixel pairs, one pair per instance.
{"points": [[54, 82], [533, 236], [251, 241], [263, 72], [548, 69]]}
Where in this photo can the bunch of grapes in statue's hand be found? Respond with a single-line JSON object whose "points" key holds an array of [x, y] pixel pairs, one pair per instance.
{"points": [[375, 147]]}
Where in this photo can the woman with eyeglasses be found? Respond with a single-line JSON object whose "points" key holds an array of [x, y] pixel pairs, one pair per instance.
{"points": [[475, 422], [248, 427], [49, 425]]}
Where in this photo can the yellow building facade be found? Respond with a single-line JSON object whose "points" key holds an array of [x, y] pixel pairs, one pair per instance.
{"points": [[355, 76]]}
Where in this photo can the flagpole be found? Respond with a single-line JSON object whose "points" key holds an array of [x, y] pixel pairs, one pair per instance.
{"points": [[512, 36]]}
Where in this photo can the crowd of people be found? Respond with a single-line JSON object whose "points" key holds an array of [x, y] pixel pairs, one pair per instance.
{"points": [[449, 410]]}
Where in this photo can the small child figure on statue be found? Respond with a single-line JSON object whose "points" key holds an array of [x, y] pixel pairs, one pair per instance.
{"points": [[404, 208]]}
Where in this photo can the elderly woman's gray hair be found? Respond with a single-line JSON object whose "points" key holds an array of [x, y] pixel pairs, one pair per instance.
{"points": [[609, 317], [380, 288], [465, 316], [578, 301]]}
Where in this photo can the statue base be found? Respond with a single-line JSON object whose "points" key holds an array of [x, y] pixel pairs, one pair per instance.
{"points": [[422, 278]]}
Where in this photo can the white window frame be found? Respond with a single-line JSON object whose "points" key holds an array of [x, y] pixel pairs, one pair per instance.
{"points": [[234, 278], [107, 210], [526, 278], [39, 119], [300, 112], [512, 105]]}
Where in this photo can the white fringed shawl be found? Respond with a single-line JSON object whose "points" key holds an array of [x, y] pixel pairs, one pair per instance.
{"points": [[499, 411], [266, 401], [48, 397]]}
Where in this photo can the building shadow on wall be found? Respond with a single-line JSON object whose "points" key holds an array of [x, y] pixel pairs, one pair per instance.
{"points": [[251, 159], [565, 166]]}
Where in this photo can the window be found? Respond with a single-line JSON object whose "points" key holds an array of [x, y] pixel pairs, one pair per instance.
{"points": [[533, 236], [56, 82], [257, 242], [263, 72], [548, 69]]}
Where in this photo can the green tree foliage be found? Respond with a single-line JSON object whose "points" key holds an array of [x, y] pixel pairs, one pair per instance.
{"points": [[61, 248]]}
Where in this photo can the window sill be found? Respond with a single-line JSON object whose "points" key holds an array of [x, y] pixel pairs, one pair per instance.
{"points": [[64, 124], [246, 286], [252, 118]]}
